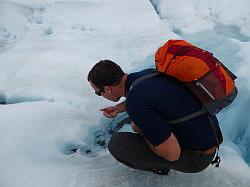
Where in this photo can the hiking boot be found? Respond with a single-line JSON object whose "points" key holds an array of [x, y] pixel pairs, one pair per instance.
{"points": [[160, 171]]}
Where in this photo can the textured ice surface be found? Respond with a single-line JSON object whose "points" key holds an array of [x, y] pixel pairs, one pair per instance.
{"points": [[52, 133]]}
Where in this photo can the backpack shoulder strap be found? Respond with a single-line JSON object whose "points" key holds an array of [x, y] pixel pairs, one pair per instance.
{"points": [[142, 78]]}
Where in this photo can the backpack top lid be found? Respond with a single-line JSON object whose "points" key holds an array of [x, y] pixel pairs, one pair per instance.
{"points": [[189, 63], [181, 60]]}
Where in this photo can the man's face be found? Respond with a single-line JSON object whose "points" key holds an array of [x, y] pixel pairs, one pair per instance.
{"points": [[108, 92]]}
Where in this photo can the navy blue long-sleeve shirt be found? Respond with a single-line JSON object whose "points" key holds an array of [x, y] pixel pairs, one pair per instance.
{"points": [[159, 99]]}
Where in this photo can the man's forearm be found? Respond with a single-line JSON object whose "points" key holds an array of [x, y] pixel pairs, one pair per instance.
{"points": [[121, 107]]}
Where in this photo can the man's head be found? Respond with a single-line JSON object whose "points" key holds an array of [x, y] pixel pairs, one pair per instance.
{"points": [[105, 78]]}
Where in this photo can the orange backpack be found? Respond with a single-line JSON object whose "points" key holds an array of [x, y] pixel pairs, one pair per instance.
{"points": [[210, 81]]}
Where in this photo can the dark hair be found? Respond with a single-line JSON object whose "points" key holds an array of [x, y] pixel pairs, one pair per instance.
{"points": [[105, 73]]}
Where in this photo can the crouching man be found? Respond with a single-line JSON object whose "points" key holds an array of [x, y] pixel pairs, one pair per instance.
{"points": [[156, 145]]}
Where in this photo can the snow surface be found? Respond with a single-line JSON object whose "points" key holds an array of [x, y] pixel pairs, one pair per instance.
{"points": [[47, 48]]}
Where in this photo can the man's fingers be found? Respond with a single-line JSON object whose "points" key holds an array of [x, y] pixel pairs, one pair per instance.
{"points": [[105, 109], [108, 115], [108, 112]]}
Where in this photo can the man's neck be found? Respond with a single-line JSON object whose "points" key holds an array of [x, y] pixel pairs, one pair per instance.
{"points": [[122, 85]]}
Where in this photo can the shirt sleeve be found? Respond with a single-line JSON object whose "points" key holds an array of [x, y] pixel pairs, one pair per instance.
{"points": [[144, 113]]}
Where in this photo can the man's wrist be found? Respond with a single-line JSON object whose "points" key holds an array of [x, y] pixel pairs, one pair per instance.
{"points": [[117, 108]]}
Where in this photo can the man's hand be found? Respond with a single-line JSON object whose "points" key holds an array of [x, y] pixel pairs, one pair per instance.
{"points": [[110, 111]]}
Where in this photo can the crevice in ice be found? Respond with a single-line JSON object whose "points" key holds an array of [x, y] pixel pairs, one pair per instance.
{"points": [[48, 31], [154, 4], [231, 31], [240, 133], [97, 138], [2, 100], [15, 100], [69, 148]]}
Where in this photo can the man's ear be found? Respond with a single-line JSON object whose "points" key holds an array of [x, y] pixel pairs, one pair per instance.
{"points": [[107, 89]]}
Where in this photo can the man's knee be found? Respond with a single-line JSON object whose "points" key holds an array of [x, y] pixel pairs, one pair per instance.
{"points": [[119, 142], [119, 145], [114, 142]]}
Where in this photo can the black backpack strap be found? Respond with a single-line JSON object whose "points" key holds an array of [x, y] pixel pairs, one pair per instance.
{"points": [[142, 78], [219, 139], [188, 117], [217, 133]]}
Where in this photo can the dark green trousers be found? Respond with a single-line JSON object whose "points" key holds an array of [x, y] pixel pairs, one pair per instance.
{"points": [[131, 150]]}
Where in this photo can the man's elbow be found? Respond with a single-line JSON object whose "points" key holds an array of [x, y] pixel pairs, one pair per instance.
{"points": [[170, 156], [169, 149], [173, 157]]}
